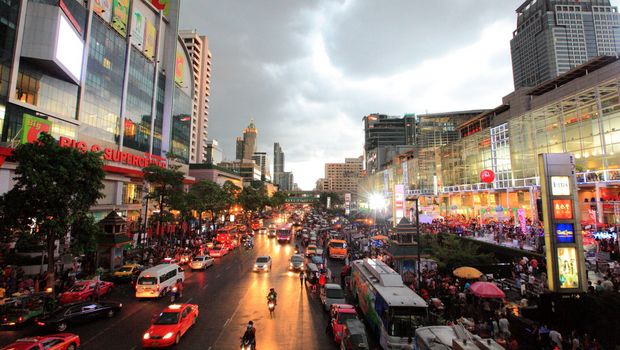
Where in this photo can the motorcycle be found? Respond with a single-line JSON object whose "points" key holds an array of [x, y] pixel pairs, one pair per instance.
{"points": [[247, 344], [248, 244], [174, 294], [271, 304]]}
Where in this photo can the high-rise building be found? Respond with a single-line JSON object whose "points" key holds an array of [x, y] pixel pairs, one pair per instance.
{"points": [[246, 145], [554, 36], [239, 148], [342, 177], [285, 181], [260, 158], [214, 152], [198, 48], [278, 159], [92, 80]]}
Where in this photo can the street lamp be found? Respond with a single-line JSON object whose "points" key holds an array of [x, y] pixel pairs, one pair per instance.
{"points": [[376, 202]]}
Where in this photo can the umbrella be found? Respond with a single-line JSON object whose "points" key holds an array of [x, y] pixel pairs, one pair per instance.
{"points": [[380, 238], [486, 290], [467, 273]]}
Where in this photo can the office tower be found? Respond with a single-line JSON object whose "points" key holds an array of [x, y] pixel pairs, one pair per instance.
{"points": [[239, 148], [213, 152], [278, 159], [249, 141], [554, 36], [343, 177], [198, 49], [260, 158]]}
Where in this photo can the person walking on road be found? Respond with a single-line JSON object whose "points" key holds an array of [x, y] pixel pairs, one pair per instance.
{"points": [[302, 278]]}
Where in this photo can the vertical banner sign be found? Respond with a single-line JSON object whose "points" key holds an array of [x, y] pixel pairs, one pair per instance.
{"points": [[347, 203], [104, 9], [120, 16], [405, 175], [329, 202], [32, 127], [563, 240], [137, 28], [399, 203], [150, 36]]}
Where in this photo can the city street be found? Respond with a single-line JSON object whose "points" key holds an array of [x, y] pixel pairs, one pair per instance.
{"points": [[228, 294]]}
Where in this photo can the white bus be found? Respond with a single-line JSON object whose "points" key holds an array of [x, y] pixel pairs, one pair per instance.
{"points": [[158, 280], [392, 309]]}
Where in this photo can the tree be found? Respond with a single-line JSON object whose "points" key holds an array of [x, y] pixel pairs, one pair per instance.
{"points": [[452, 252], [164, 183], [208, 196], [277, 200], [55, 186], [253, 199]]}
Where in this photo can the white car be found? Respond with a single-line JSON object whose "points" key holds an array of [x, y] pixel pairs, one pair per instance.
{"points": [[201, 262], [263, 263]]}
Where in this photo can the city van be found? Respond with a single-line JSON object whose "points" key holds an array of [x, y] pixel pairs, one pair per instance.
{"points": [[158, 280]]}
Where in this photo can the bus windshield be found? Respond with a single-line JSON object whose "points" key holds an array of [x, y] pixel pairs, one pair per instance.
{"points": [[338, 245], [403, 321]]}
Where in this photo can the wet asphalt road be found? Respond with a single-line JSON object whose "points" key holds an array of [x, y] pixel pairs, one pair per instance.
{"points": [[228, 294]]}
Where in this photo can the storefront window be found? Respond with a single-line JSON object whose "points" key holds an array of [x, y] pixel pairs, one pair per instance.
{"points": [[131, 193]]}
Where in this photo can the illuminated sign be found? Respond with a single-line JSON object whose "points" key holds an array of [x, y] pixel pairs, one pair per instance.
{"points": [[32, 127], [487, 176], [69, 49], [114, 155], [567, 268], [562, 209], [560, 186], [565, 233]]}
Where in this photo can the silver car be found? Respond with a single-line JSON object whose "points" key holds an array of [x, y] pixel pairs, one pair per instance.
{"points": [[201, 262], [263, 263]]}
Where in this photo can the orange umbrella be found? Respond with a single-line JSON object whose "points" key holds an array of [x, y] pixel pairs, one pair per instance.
{"points": [[467, 272]]}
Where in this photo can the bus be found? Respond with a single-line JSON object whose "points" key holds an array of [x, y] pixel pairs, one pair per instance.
{"points": [[226, 235], [284, 233], [392, 310], [337, 249]]}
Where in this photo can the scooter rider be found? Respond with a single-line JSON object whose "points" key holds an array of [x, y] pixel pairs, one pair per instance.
{"points": [[272, 296], [250, 334]]}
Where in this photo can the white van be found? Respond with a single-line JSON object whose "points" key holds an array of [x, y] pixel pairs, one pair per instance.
{"points": [[158, 280]]}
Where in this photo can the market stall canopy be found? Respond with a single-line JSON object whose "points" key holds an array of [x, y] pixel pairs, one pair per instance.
{"points": [[467, 272], [487, 290], [380, 238]]}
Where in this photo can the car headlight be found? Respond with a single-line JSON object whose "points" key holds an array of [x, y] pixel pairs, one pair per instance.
{"points": [[255, 265], [146, 336], [290, 264], [168, 335]]}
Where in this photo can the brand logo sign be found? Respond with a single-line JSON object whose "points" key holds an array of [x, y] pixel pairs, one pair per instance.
{"points": [[32, 127], [114, 155], [487, 176], [560, 186]]}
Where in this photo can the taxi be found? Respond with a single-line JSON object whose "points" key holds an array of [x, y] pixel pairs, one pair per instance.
{"points": [[127, 271], [86, 290], [170, 325], [218, 251], [340, 313], [60, 341]]}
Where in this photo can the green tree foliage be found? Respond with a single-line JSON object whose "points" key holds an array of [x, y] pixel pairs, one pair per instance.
{"points": [[208, 196], [277, 200], [253, 199], [164, 183], [84, 231], [450, 252], [55, 187]]}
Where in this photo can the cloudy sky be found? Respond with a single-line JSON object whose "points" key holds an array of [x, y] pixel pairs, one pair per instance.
{"points": [[307, 71]]}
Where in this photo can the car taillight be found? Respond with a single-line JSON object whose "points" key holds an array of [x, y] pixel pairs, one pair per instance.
{"points": [[40, 323], [20, 319]]}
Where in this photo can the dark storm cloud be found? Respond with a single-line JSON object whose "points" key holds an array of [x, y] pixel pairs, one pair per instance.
{"points": [[307, 71]]}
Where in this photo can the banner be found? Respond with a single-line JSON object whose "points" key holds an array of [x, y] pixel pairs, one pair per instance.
{"points": [[137, 29], [104, 9], [150, 37], [32, 127], [120, 16]]}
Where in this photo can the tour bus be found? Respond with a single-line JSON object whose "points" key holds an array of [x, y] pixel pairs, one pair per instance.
{"points": [[226, 235], [392, 309], [337, 249], [158, 280], [283, 233]]}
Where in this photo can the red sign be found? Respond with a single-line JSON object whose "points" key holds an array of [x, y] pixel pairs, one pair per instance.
{"points": [[114, 155], [562, 209], [487, 176]]}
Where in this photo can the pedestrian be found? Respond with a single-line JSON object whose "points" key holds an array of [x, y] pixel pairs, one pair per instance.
{"points": [[302, 278], [556, 338]]}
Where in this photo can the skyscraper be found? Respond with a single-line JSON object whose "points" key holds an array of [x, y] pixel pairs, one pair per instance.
{"points": [[213, 152], [278, 159], [239, 148], [260, 158], [554, 36], [249, 141], [198, 48]]}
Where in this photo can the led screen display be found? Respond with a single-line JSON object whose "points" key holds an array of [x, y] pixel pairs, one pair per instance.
{"points": [[69, 49], [562, 209], [565, 233]]}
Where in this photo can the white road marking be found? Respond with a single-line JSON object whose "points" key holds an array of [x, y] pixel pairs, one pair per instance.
{"points": [[218, 276], [206, 285], [233, 314]]}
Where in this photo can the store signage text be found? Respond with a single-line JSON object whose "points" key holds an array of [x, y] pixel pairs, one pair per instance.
{"points": [[487, 176], [560, 186], [114, 155], [562, 209]]}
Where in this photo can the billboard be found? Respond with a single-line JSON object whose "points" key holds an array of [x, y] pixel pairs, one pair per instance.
{"points": [[120, 16], [150, 37], [399, 203], [137, 28], [69, 49], [32, 127], [104, 9], [568, 271]]}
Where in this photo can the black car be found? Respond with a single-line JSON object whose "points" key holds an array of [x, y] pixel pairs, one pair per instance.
{"points": [[76, 313]]}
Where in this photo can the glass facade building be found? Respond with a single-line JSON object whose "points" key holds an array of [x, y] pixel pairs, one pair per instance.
{"points": [[97, 75]]}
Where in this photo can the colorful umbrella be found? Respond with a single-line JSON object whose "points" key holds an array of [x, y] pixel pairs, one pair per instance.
{"points": [[467, 272], [487, 290]]}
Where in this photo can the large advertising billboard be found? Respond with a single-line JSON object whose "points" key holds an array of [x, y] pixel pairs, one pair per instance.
{"points": [[104, 9], [568, 270], [150, 38], [32, 127], [120, 16], [137, 28], [69, 49]]}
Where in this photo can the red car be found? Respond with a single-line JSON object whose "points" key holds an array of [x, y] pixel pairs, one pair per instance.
{"points": [[170, 325], [61, 341], [86, 290], [340, 313]]}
